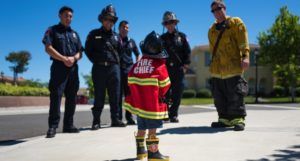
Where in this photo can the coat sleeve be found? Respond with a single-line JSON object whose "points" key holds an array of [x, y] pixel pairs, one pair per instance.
{"points": [[89, 47], [163, 80], [187, 50], [241, 35]]}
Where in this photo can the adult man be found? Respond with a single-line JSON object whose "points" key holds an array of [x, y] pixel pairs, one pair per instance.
{"points": [[179, 51], [129, 46], [103, 47], [62, 43], [229, 45]]}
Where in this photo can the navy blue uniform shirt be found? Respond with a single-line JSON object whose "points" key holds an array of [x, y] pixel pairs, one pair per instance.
{"points": [[176, 43], [129, 47], [99, 44], [63, 39]]}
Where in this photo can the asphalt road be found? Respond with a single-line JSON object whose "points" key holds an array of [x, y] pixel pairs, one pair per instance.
{"points": [[14, 127]]}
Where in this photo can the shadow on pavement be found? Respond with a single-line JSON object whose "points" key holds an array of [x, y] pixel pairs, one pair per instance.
{"points": [[289, 154], [193, 130], [10, 142]]}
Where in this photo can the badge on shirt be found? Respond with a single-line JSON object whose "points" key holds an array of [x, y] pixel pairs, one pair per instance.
{"points": [[116, 38], [98, 37], [74, 36], [130, 45], [179, 39]]}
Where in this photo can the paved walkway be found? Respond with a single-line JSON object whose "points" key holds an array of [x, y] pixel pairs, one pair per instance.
{"points": [[272, 133]]}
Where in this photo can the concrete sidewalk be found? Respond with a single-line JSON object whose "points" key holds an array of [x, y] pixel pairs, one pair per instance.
{"points": [[270, 135]]}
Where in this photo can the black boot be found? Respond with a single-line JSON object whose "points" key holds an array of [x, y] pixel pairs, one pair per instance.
{"points": [[130, 122], [96, 125], [70, 129], [222, 123], [51, 133], [219, 125], [153, 152], [239, 127], [117, 123], [141, 152], [96, 119]]}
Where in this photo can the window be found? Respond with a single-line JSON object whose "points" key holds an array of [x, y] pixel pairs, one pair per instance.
{"points": [[252, 59], [251, 85], [207, 83], [207, 58]]}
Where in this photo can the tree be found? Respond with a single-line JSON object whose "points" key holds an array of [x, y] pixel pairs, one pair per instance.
{"points": [[19, 60], [89, 82], [280, 48]]}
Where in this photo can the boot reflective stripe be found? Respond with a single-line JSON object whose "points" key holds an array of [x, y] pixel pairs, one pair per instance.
{"points": [[237, 121], [146, 114], [225, 121], [166, 159], [143, 81], [141, 156], [165, 82], [140, 146]]}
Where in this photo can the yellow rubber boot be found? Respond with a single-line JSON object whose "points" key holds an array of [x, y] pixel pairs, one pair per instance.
{"points": [[153, 152], [141, 152]]}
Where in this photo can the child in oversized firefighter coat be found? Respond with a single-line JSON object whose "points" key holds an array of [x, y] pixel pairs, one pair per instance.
{"points": [[148, 83]]}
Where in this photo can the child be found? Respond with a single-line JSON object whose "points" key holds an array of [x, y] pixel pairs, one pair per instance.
{"points": [[148, 82]]}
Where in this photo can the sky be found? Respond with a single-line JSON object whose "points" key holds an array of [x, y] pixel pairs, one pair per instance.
{"points": [[23, 24]]}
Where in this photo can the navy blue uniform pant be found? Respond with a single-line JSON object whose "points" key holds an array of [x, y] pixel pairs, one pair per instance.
{"points": [[176, 75], [63, 80], [106, 77]]}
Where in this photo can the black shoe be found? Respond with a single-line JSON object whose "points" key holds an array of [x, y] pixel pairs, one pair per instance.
{"points": [[130, 122], [51, 133], [118, 123], [71, 129], [174, 120], [239, 127], [96, 126], [219, 125], [166, 120]]}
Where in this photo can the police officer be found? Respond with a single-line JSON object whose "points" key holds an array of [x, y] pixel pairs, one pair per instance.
{"points": [[129, 47], [103, 47], [62, 43], [179, 51], [228, 41]]}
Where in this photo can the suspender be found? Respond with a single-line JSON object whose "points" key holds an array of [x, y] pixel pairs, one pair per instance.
{"points": [[217, 44], [218, 41]]}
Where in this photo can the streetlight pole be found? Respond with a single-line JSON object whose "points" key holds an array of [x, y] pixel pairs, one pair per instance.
{"points": [[256, 53], [2, 77]]}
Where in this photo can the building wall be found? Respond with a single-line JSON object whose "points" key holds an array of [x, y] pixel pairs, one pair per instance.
{"points": [[200, 65]]}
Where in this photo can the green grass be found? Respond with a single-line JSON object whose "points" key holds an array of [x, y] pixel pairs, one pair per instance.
{"points": [[196, 101], [249, 99]]}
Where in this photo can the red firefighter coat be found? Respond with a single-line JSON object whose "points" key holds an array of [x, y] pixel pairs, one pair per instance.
{"points": [[148, 81]]}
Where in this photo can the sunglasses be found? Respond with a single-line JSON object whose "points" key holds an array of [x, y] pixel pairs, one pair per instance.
{"points": [[169, 22], [216, 9], [108, 19]]}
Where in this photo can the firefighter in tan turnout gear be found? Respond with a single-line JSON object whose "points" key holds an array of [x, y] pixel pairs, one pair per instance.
{"points": [[228, 41]]}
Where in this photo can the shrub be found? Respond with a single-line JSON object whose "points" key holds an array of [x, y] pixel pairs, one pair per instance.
{"points": [[204, 93], [278, 91], [298, 91], [10, 90], [190, 93]]}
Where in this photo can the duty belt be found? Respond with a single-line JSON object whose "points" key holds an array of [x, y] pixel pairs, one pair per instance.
{"points": [[106, 63], [172, 64]]}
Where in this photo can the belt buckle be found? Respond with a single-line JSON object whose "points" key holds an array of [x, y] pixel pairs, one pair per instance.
{"points": [[105, 63]]}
